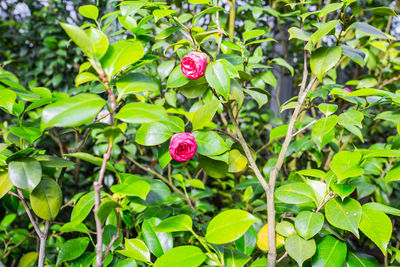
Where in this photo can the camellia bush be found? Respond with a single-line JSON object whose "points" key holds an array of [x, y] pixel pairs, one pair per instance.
{"points": [[167, 150]]}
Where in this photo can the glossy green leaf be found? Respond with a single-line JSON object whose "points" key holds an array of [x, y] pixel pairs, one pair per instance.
{"points": [[73, 111], [329, 8], [28, 260], [313, 173], [91, 159], [138, 188], [175, 224], [344, 214], [345, 165], [351, 117], [54, 162], [382, 207], [5, 184], [299, 249], [237, 161], [323, 130], [157, 242], [141, 113], [151, 134], [209, 143], [99, 42], [261, 96], [324, 59], [377, 226], [308, 223], [136, 82], [7, 99], [25, 173], [82, 208], [247, 242], [323, 30], [368, 30], [235, 258], [136, 249], [214, 168], [218, 78], [176, 78], [204, 115], [228, 226], [330, 252], [79, 37], [382, 10], [89, 11], [121, 55], [295, 193], [72, 249], [327, 109], [247, 35], [361, 260], [181, 256], [161, 13], [46, 199], [300, 34]]}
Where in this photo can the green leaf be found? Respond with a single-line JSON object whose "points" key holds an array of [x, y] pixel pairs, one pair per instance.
{"points": [[235, 258], [167, 32], [28, 260], [25, 173], [308, 223], [138, 188], [5, 184], [85, 77], [181, 256], [377, 226], [214, 168], [204, 12], [158, 243], [343, 190], [237, 161], [247, 35], [281, 62], [381, 207], [300, 34], [344, 214], [247, 242], [175, 224], [382, 10], [99, 42], [82, 209], [327, 109], [7, 99], [228, 226], [72, 249], [323, 130], [135, 82], [323, 30], [91, 159], [329, 8], [278, 132], [89, 11], [79, 37], [209, 143], [368, 30], [330, 252], [204, 115], [261, 96], [218, 78], [324, 59], [356, 55], [299, 249], [351, 117], [120, 55], [161, 13], [73, 111], [136, 249], [361, 260], [176, 78], [141, 113], [345, 165], [46, 199], [54, 162], [295, 193], [151, 134], [313, 173]]}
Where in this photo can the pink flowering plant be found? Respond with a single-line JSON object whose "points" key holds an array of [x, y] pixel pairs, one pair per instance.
{"points": [[223, 133]]}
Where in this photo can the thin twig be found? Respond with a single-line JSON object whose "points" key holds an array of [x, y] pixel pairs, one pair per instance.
{"points": [[331, 196], [304, 128], [28, 211], [281, 258], [226, 133], [115, 237]]}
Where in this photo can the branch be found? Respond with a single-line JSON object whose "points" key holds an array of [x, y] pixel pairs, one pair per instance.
{"points": [[226, 133], [281, 258], [115, 237], [331, 196], [97, 201], [384, 83], [304, 128], [42, 248]]}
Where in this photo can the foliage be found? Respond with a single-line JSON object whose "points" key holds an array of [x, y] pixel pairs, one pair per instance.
{"points": [[91, 168]]}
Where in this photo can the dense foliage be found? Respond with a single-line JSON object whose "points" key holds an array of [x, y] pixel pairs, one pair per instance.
{"points": [[291, 152]]}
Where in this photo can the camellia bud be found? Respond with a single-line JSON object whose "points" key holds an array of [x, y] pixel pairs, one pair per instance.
{"points": [[347, 89], [182, 147], [193, 65]]}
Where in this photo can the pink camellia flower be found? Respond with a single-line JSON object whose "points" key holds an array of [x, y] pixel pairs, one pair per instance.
{"points": [[193, 65], [182, 146], [347, 89]]}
